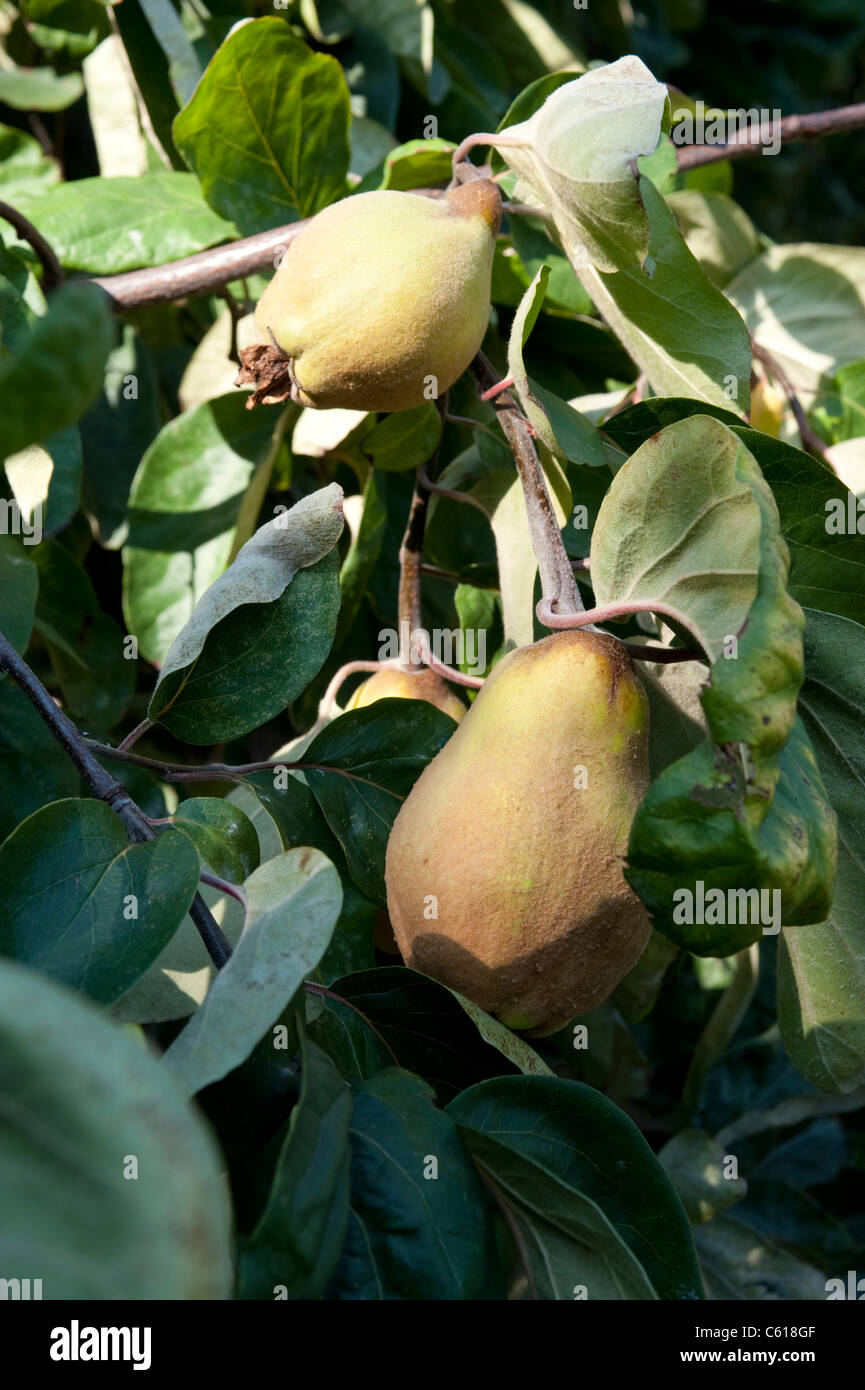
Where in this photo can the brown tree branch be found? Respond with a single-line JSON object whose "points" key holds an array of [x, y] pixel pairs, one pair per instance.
{"points": [[557, 577], [808, 127], [208, 270]]}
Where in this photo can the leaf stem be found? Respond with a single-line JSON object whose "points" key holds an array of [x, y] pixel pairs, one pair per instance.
{"points": [[222, 884]]}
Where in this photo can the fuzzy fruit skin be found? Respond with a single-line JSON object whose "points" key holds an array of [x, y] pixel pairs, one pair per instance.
{"points": [[535, 920], [381, 291], [392, 683]]}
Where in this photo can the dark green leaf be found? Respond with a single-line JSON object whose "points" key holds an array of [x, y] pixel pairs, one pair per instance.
{"points": [[577, 1143], [62, 362], [284, 643], [365, 764], [296, 1245], [223, 835], [419, 1225], [84, 905], [88, 653]]}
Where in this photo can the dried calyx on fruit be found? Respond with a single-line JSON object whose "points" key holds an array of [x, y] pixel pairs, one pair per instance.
{"points": [[379, 303], [505, 864]]}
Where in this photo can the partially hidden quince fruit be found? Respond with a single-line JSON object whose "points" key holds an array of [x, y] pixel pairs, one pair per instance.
{"points": [[505, 864], [767, 409], [395, 682], [380, 302]]}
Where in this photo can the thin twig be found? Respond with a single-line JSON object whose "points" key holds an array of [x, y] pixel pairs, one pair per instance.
{"points": [[224, 886], [103, 785], [458, 677], [811, 441], [136, 733], [328, 699], [450, 492], [435, 573], [52, 271]]}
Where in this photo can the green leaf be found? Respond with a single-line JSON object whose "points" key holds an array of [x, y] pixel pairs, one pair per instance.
{"points": [[566, 1158], [694, 835], [24, 168], [414, 1231], [694, 1162], [418, 164], [404, 440], [82, 1100], [841, 413], [183, 65], [65, 355], [535, 249], [741, 1263], [34, 769], [38, 89], [362, 766], [680, 329], [178, 980], [805, 304], [285, 642], [574, 155], [298, 821], [296, 1245], [294, 901], [680, 528], [184, 509], [827, 576], [109, 225], [363, 554], [86, 646], [19, 585], [263, 97], [82, 904], [393, 1015], [116, 432], [149, 68], [821, 969], [21, 300], [223, 835], [717, 231], [262, 569], [406, 25]]}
